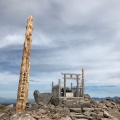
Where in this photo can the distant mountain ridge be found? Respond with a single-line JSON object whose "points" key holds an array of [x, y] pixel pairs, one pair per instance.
{"points": [[10, 100], [100, 99], [7, 101], [13, 101]]}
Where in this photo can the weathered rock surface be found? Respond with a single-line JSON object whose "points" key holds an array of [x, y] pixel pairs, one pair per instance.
{"points": [[69, 109], [42, 97], [56, 101], [118, 100], [21, 116]]}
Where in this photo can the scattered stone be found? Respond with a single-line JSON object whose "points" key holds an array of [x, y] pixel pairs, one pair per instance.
{"points": [[9, 106], [21, 116], [67, 109], [1, 114], [106, 114], [42, 111], [56, 101], [77, 110], [87, 109], [118, 100], [66, 118]]}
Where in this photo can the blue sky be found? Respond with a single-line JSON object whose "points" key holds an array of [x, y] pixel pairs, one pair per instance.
{"points": [[67, 35]]}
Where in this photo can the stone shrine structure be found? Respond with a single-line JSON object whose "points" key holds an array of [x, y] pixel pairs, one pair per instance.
{"points": [[67, 92]]}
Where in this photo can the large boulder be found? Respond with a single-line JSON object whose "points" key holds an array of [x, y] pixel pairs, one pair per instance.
{"points": [[76, 103], [56, 101], [87, 96], [42, 97], [36, 95]]}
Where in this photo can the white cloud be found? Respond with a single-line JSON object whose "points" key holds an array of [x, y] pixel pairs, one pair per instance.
{"points": [[14, 39], [8, 78], [39, 39], [67, 36]]}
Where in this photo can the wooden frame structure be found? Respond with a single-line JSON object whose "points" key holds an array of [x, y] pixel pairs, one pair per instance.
{"points": [[73, 92]]}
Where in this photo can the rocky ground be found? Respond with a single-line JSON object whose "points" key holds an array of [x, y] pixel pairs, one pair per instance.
{"points": [[69, 109]]}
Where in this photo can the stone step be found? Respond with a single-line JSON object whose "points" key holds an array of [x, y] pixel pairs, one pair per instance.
{"points": [[82, 119], [78, 116], [77, 110], [74, 113]]}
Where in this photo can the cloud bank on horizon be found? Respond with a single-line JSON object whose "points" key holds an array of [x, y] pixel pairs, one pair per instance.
{"points": [[67, 36]]}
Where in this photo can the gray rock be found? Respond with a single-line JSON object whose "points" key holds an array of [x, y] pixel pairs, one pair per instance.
{"points": [[118, 100], [42, 97], [105, 119], [40, 103], [65, 118], [77, 110], [41, 111], [81, 119], [45, 98], [36, 95], [76, 103], [1, 114], [100, 115], [85, 104], [109, 99], [79, 116], [21, 116], [87, 113], [9, 106], [87, 109], [56, 101], [106, 114], [87, 96], [94, 115]]}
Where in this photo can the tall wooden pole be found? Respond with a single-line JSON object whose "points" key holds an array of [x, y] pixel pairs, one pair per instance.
{"points": [[52, 87], [64, 85], [83, 82], [59, 84], [77, 90], [22, 95], [71, 86]]}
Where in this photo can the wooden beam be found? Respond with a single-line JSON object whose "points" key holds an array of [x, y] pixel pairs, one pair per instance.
{"points": [[52, 86], [71, 97], [64, 85], [70, 73], [77, 87], [83, 82], [71, 86], [59, 93], [72, 78]]}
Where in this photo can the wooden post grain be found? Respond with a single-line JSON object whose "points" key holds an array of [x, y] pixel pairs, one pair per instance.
{"points": [[83, 82], [59, 85], [77, 86], [64, 85], [22, 95]]}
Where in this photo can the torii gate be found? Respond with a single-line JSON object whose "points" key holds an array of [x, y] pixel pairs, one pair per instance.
{"points": [[61, 91], [75, 77]]}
